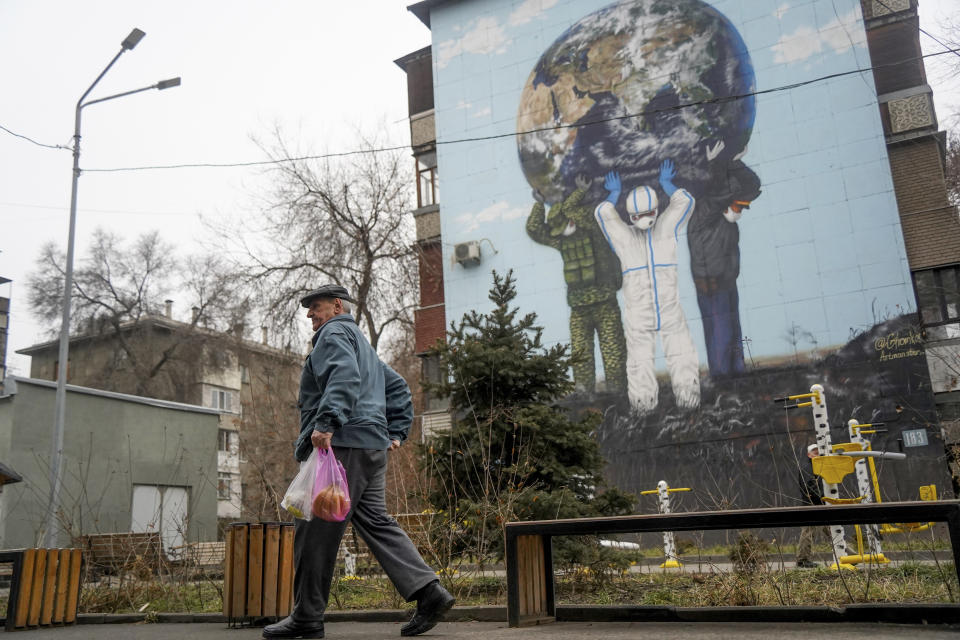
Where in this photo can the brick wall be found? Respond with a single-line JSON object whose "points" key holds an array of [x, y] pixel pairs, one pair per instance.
{"points": [[431, 324], [431, 274], [931, 230], [895, 54], [430, 318]]}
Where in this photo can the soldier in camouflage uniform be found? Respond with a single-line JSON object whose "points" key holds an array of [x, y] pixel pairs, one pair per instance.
{"points": [[592, 273]]}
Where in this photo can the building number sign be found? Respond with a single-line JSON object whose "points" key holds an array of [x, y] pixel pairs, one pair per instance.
{"points": [[914, 438]]}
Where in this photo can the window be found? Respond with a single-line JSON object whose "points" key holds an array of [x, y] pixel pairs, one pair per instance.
{"points": [[427, 192], [220, 399], [244, 374], [224, 440], [228, 441], [431, 372], [938, 295], [224, 485]]}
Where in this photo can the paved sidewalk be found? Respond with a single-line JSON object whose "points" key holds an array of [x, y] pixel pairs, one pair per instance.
{"points": [[500, 631]]}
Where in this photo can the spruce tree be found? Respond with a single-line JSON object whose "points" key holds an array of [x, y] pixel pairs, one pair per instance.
{"points": [[512, 452]]}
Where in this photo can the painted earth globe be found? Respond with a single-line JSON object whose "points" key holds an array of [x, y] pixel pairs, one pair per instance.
{"points": [[629, 85]]}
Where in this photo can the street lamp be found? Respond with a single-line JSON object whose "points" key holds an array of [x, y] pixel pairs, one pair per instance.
{"points": [[56, 457]]}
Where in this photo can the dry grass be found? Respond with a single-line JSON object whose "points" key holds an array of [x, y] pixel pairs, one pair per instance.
{"points": [[157, 596], [908, 583]]}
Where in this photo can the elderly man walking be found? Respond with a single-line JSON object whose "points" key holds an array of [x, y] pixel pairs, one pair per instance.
{"points": [[353, 402]]}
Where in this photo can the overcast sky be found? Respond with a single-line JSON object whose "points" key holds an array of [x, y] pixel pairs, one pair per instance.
{"points": [[316, 68]]}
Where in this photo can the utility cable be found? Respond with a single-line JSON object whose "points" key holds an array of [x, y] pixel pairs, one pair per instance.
{"points": [[29, 139], [577, 125]]}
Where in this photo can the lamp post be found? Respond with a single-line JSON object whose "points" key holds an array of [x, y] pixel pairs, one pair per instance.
{"points": [[56, 455]]}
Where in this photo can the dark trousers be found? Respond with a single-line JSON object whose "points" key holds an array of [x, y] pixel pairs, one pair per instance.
{"points": [[316, 542], [720, 310]]}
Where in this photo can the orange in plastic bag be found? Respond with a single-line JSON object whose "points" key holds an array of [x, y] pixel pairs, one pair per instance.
{"points": [[331, 500], [331, 504]]}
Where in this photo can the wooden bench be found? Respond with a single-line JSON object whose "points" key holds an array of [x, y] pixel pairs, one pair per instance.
{"points": [[202, 556], [529, 547], [110, 552], [44, 587]]}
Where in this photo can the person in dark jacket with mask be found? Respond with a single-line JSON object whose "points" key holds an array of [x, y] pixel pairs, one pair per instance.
{"points": [[354, 403], [714, 240]]}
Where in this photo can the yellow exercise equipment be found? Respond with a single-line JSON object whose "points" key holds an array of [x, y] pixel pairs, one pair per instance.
{"points": [[663, 491], [927, 492]]}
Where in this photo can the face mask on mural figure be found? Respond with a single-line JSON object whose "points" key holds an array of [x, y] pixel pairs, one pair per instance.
{"points": [[735, 211], [642, 207]]}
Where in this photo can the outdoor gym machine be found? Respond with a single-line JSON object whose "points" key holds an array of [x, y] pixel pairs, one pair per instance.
{"points": [[833, 464], [826, 466], [867, 485], [867, 479], [663, 492]]}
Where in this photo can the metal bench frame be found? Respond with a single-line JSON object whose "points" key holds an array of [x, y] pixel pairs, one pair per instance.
{"points": [[529, 548], [14, 557]]}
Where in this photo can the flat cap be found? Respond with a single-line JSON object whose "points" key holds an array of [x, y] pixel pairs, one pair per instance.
{"points": [[326, 291], [812, 447]]}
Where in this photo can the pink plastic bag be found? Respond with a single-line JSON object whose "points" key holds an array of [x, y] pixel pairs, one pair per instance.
{"points": [[331, 496]]}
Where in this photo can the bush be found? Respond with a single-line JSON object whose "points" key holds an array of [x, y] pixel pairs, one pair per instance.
{"points": [[749, 554]]}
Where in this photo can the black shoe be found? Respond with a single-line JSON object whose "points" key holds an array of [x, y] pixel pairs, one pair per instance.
{"points": [[290, 628], [432, 602], [807, 564]]}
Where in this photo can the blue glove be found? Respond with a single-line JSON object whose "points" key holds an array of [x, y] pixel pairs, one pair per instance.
{"points": [[612, 184], [667, 172]]}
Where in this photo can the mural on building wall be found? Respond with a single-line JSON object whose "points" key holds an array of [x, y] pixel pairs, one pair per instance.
{"points": [[619, 95], [660, 146]]}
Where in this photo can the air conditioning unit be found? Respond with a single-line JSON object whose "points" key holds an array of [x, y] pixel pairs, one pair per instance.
{"points": [[467, 253]]}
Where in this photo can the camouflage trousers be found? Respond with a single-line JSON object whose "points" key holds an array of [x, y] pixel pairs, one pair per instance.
{"points": [[602, 318], [808, 536]]}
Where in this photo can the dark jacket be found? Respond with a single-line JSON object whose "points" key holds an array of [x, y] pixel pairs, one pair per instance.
{"points": [[345, 389], [715, 243], [810, 491]]}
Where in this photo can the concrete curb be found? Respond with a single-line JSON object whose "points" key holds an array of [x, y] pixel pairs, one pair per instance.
{"points": [[945, 613], [457, 614]]}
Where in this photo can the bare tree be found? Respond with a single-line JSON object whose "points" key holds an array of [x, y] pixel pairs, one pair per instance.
{"points": [[117, 287], [343, 220], [113, 283], [268, 426]]}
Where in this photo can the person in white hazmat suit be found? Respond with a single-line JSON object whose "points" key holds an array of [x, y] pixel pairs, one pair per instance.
{"points": [[647, 248]]}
